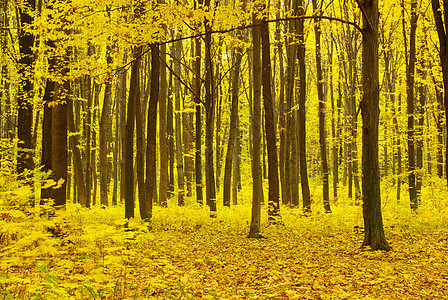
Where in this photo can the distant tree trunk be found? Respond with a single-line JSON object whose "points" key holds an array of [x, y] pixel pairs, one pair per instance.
{"points": [[209, 122], [129, 136], [198, 122], [273, 202], [105, 131], [25, 96], [140, 157], [170, 134], [233, 130], [256, 132], [178, 130], [151, 135], [322, 131], [334, 124], [306, 195], [443, 39], [282, 113], [88, 133], [420, 112], [291, 157], [123, 84], [373, 221], [163, 181], [410, 106], [76, 153]]}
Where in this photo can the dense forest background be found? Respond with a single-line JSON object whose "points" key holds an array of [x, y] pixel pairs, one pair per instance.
{"points": [[143, 102], [141, 117]]}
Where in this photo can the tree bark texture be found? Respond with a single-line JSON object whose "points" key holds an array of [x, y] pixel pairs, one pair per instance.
{"points": [[373, 221]]}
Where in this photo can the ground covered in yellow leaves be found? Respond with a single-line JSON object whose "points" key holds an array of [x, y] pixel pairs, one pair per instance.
{"points": [[184, 254]]}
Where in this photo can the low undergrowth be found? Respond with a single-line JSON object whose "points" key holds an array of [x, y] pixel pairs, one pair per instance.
{"points": [[94, 253]]}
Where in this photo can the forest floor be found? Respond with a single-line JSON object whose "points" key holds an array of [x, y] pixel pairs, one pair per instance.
{"points": [[184, 254]]}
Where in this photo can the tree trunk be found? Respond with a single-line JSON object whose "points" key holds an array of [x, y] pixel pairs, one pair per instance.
{"points": [[209, 121], [306, 195], [129, 136], [163, 180], [151, 135], [443, 39], [373, 221], [322, 132], [198, 122], [25, 96], [233, 130], [410, 106], [105, 130], [178, 130], [273, 202], [140, 157], [170, 134], [256, 132]]}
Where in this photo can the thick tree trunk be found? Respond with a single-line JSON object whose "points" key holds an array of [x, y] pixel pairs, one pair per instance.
{"points": [[163, 180], [373, 221]]}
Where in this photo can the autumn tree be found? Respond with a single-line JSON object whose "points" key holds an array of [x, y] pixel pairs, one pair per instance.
{"points": [[373, 221]]}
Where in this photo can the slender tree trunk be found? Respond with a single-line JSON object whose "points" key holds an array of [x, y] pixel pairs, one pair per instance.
{"points": [[151, 136], [177, 47], [443, 39], [306, 195], [77, 161], [123, 116], [273, 202], [129, 136], [170, 134], [233, 130], [140, 157], [373, 221], [209, 122], [105, 129], [198, 122], [256, 132], [410, 106], [25, 96], [322, 131], [163, 181]]}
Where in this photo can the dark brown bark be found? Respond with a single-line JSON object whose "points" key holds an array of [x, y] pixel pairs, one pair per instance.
{"points": [[443, 39], [322, 132], [271, 139], [151, 130], [178, 129], [129, 136], [410, 72], [209, 120], [163, 180], [306, 195], [198, 122], [233, 130], [373, 221], [77, 160], [256, 132], [25, 96]]}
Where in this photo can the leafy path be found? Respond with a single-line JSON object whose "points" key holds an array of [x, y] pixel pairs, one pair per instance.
{"points": [[86, 254]]}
